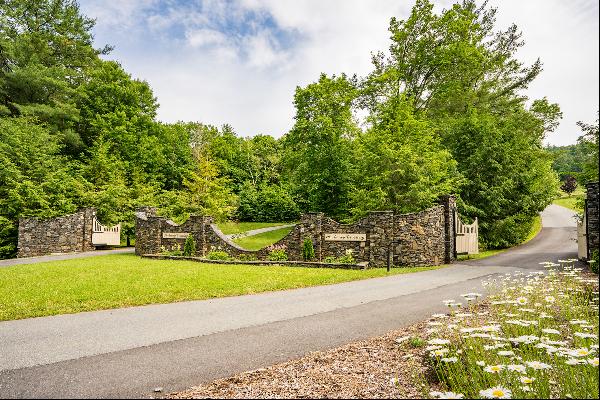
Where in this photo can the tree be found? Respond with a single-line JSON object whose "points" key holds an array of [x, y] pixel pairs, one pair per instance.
{"points": [[318, 148], [569, 185], [35, 180], [45, 52], [400, 162], [589, 143]]}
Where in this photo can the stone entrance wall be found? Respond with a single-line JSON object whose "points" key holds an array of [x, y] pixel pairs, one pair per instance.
{"points": [[591, 215], [423, 238], [71, 233]]}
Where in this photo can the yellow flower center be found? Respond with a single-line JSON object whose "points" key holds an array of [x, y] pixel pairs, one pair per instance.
{"points": [[498, 393], [527, 380], [583, 352], [495, 368]]}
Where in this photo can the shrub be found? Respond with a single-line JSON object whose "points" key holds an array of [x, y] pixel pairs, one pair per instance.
{"points": [[348, 258], [308, 251], [247, 257], [277, 253], [175, 250], [218, 255], [189, 248]]}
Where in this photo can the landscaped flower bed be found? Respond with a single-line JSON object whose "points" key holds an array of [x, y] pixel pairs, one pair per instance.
{"points": [[536, 338]]}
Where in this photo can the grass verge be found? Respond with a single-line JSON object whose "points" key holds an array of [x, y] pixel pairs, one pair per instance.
{"points": [[256, 242], [123, 280], [230, 227], [535, 229]]}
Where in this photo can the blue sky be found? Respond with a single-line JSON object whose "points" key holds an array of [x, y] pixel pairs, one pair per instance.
{"points": [[239, 61]]}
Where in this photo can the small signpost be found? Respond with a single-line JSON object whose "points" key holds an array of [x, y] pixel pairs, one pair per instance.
{"points": [[345, 237], [175, 235]]}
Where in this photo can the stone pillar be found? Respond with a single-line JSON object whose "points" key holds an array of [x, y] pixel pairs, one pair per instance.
{"points": [[449, 203], [147, 231], [88, 229], [311, 226], [591, 215], [380, 236]]}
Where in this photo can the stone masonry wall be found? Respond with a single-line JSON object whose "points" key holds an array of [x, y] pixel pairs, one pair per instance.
{"points": [[591, 211], [67, 234], [424, 238]]}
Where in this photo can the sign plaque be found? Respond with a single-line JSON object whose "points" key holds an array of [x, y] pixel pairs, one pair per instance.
{"points": [[175, 235], [346, 237]]}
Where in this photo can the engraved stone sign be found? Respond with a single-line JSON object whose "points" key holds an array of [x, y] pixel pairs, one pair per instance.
{"points": [[346, 237], [175, 235]]}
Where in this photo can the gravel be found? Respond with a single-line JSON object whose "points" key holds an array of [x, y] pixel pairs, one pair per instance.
{"points": [[375, 368]]}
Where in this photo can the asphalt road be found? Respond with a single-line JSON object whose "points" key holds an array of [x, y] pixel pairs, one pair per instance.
{"points": [[68, 256], [128, 352]]}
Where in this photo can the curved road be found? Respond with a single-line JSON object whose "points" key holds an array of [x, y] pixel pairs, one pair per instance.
{"points": [[128, 352]]}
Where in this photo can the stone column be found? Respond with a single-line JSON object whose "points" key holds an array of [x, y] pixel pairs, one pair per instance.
{"points": [[591, 215], [449, 203]]}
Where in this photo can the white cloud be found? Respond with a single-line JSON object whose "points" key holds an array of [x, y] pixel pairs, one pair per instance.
{"points": [[246, 77]]}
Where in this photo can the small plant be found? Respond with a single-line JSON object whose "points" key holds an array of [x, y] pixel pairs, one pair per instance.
{"points": [[247, 257], [189, 248], [277, 253], [175, 250], [308, 251], [218, 255], [416, 342], [347, 258]]}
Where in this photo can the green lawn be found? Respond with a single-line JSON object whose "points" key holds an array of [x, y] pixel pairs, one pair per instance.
{"points": [[256, 242], [571, 202], [231, 227], [122, 280]]}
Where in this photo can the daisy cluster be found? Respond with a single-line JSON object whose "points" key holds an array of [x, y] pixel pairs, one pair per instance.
{"points": [[535, 337]]}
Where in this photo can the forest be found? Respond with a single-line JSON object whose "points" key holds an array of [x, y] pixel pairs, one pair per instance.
{"points": [[446, 112]]}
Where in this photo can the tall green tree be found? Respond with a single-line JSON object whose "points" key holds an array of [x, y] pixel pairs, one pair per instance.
{"points": [[589, 143], [318, 148]]}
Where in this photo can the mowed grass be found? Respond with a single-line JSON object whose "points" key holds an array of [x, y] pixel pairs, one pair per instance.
{"points": [[573, 201], [256, 242], [231, 227], [123, 280]]}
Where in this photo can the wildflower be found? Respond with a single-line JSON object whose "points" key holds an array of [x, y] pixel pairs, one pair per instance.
{"points": [[432, 348], [439, 352], [525, 339], [439, 316], [550, 299], [522, 301], [593, 361], [527, 380], [434, 324], [582, 352], [584, 335], [449, 359], [446, 395], [551, 331], [538, 365], [575, 361], [480, 363], [526, 388], [493, 369], [506, 353], [516, 368], [578, 321], [438, 341], [497, 392]]}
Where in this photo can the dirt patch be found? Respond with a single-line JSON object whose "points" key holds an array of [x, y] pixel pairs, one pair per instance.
{"points": [[375, 368]]}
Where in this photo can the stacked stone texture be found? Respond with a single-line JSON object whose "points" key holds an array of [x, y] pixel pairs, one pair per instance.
{"points": [[591, 210], [423, 238], [67, 234]]}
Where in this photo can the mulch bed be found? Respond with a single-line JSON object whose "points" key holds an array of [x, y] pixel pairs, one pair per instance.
{"points": [[373, 368]]}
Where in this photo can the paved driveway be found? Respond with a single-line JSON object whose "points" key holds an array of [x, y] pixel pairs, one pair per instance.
{"points": [[128, 352]]}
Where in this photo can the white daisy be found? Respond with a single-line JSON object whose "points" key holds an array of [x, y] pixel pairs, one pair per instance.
{"points": [[497, 392]]}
